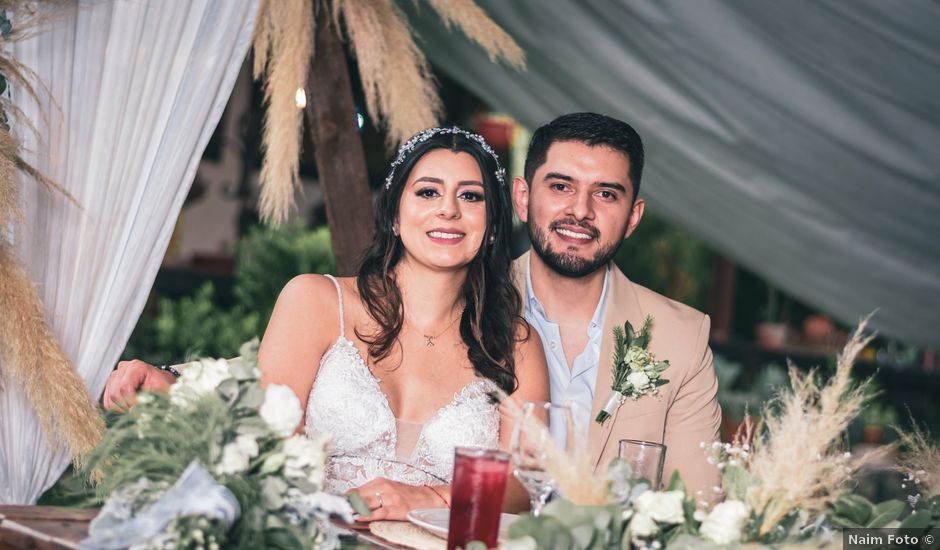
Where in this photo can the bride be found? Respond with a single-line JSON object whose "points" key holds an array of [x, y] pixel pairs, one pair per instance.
{"points": [[399, 363]]}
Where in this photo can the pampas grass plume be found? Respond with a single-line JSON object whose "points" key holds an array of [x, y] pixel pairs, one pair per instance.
{"points": [[796, 459], [283, 48], [920, 460], [478, 27], [31, 355]]}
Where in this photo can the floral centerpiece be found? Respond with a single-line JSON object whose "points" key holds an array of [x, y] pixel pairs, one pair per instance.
{"points": [[213, 463], [783, 481]]}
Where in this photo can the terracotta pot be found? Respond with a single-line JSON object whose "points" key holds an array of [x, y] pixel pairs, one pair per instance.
{"points": [[771, 335], [817, 329], [496, 132], [873, 434]]}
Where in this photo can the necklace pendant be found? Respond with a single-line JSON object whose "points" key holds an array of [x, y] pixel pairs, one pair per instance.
{"points": [[430, 341]]}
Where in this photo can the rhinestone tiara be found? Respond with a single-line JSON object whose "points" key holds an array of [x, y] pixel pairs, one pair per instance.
{"points": [[426, 134]]}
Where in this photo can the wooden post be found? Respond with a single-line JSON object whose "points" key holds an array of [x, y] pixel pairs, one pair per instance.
{"points": [[341, 163], [721, 307]]}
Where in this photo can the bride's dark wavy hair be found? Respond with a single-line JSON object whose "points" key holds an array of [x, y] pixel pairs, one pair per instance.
{"points": [[492, 314]]}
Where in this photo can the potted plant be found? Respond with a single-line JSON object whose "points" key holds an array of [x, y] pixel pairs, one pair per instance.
{"points": [[875, 419], [772, 332]]}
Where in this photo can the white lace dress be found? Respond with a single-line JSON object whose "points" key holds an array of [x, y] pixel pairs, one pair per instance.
{"points": [[369, 442]]}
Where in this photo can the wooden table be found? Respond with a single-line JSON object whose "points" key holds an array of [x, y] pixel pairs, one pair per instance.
{"points": [[55, 528], [43, 527]]}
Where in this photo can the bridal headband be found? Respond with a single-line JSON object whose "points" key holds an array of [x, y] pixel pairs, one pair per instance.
{"points": [[424, 135]]}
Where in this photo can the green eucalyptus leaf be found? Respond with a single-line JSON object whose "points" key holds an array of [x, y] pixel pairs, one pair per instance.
{"points": [[675, 482], [583, 536], [735, 480], [475, 545], [273, 521], [251, 398], [241, 370], [273, 463], [272, 492], [361, 508], [630, 333], [853, 508], [885, 512], [228, 389], [304, 485], [684, 541], [933, 504], [253, 425], [249, 353], [918, 520]]}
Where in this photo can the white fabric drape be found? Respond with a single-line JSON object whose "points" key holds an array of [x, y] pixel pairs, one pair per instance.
{"points": [[136, 88], [799, 138]]}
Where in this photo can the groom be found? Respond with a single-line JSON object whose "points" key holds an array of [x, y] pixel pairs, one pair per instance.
{"points": [[579, 202]]}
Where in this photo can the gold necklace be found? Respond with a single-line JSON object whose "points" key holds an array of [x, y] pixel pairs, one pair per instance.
{"points": [[429, 338]]}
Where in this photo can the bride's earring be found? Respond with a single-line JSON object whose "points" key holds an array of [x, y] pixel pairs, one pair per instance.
{"points": [[492, 239], [395, 229]]}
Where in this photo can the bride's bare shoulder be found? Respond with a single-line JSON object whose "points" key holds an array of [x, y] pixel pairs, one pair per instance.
{"points": [[310, 287]]}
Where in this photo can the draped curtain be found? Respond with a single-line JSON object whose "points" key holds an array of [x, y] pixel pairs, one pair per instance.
{"points": [[798, 138], [133, 90]]}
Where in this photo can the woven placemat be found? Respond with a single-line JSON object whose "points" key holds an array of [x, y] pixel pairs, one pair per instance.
{"points": [[407, 534]]}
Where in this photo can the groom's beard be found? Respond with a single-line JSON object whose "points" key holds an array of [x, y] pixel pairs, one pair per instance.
{"points": [[565, 264]]}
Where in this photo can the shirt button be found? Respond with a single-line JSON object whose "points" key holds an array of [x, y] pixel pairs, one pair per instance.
{"points": [[552, 344]]}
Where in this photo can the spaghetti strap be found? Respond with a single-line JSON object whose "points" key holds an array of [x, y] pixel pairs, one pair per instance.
{"points": [[339, 292]]}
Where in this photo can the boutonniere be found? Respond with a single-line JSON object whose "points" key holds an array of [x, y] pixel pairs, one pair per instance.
{"points": [[636, 371]]}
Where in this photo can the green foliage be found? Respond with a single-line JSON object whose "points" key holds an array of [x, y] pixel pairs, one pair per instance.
{"points": [[669, 260], [854, 511], [196, 326], [268, 258], [736, 397], [563, 525]]}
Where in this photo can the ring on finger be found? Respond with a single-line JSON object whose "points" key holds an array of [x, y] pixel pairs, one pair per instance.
{"points": [[378, 495]]}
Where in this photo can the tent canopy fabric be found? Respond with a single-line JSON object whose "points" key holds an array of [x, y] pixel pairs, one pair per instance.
{"points": [[801, 139]]}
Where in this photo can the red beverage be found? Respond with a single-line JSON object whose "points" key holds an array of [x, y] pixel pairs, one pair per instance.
{"points": [[476, 496]]}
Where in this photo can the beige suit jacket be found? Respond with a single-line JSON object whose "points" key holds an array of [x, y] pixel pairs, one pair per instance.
{"points": [[686, 411]]}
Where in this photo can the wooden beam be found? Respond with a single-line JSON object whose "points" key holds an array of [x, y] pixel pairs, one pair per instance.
{"points": [[341, 163]]}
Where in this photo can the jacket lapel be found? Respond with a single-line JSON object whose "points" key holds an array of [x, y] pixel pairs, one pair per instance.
{"points": [[622, 306]]}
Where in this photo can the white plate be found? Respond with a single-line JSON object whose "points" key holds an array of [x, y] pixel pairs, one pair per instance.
{"points": [[436, 520]]}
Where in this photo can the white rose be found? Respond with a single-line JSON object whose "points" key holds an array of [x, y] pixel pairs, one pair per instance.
{"points": [[234, 460], [637, 358], [248, 444], [642, 526], [664, 507], [639, 380], [198, 379], [724, 523], [302, 454], [281, 409]]}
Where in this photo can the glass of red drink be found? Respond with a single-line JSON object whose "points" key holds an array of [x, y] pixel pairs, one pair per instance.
{"points": [[476, 496]]}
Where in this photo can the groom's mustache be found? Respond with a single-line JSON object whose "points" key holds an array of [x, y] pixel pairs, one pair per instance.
{"points": [[574, 223]]}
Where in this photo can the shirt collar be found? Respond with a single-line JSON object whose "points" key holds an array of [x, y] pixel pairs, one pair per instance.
{"points": [[533, 305]]}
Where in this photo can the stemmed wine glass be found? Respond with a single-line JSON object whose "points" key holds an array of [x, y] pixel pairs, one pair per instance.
{"points": [[532, 446]]}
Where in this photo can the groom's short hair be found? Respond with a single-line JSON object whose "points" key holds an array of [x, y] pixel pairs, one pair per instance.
{"points": [[591, 129]]}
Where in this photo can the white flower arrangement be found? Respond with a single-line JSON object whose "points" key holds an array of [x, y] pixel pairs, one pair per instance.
{"points": [[785, 483], [217, 419]]}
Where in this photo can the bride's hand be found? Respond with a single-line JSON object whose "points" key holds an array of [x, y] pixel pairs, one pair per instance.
{"points": [[120, 392], [392, 500]]}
